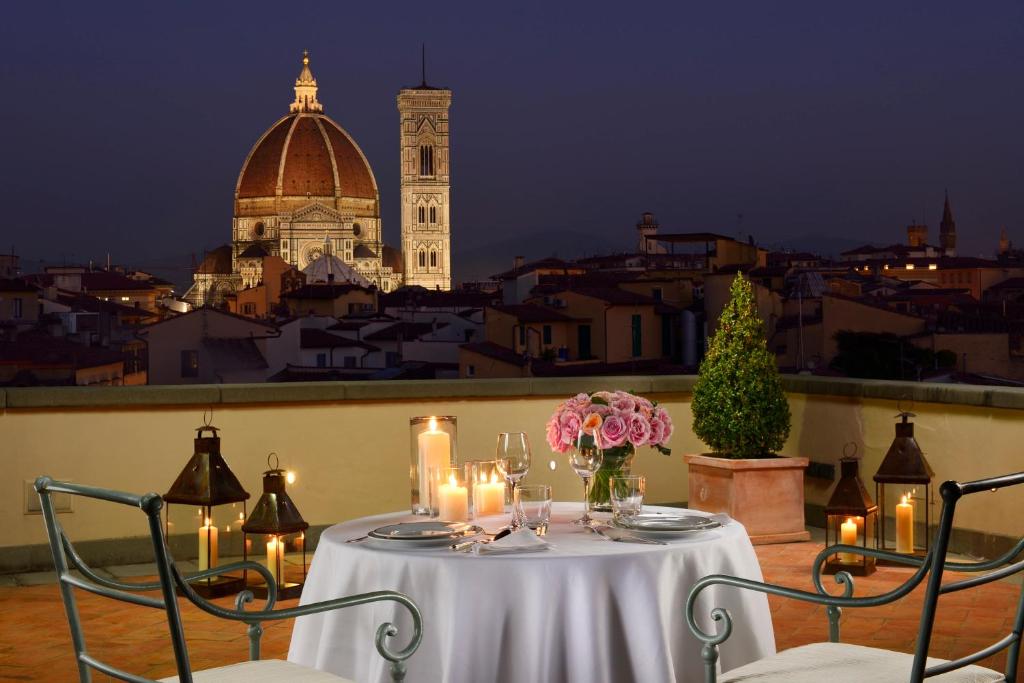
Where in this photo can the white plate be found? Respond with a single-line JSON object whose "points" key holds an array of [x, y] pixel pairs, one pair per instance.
{"points": [[667, 526], [405, 544], [425, 532]]}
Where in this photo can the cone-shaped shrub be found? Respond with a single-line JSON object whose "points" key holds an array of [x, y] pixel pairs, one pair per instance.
{"points": [[739, 408]]}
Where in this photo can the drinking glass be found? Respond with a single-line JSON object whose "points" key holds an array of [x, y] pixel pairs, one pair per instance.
{"points": [[627, 494], [513, 456], [535, 502], [585, 459]]}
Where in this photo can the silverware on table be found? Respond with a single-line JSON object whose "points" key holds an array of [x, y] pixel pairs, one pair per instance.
{"points": [[356, 540], [613, 534]]}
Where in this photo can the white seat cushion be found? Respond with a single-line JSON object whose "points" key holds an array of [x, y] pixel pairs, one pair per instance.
{"points": [[263, 671], [842, 663]]}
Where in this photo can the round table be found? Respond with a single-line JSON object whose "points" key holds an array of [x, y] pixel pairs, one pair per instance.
{"points": [[588, 610]]}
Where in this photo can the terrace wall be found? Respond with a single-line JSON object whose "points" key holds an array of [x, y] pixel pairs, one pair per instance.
{"points": [[348, 442]]}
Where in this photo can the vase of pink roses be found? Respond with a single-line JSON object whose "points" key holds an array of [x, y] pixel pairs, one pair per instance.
{"points": [[618, 423]]}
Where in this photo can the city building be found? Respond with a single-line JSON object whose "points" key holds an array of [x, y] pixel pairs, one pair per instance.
{"points": [[306, 190]]}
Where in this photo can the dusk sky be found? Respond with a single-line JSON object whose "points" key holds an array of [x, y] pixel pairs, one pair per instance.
{"points": [[125, 125]]}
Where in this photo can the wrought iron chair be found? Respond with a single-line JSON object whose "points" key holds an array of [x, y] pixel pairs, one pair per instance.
{"points": [[65, 559], [835, 662]]}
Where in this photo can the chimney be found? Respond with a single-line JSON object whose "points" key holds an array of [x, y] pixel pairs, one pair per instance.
{"points": [[517, 263]]}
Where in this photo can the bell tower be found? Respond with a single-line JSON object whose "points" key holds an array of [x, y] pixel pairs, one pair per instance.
{"points": [[426, 226]]}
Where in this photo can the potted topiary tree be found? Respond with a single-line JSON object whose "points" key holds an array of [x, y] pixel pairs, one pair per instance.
{"points": [[741, 412]]}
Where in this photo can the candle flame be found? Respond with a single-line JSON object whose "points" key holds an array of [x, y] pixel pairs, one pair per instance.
{"points": [[483, 478], [302, 535], [494, 478], [241, 517], [433, 424], [451, 480], [290, 477], [227, 529], [207, 522], [849, 520], [903, 500]]}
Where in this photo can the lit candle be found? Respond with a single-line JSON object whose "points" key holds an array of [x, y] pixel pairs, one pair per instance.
{"points": [[274, 548], [435, 450], [905, 526], [453, 501], [849, 537], [489, 497], [300, 541], [207, 546]]}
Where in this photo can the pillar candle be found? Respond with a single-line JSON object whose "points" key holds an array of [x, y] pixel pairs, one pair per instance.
{"points": [[849, 537], [905, 526], [274, 548], [300, 541], [489, 497], [435, 450], [453, 501], [207, 546]]}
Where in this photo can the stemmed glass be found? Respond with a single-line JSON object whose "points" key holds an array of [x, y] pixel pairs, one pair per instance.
{"points": [[513, 456], [585, 460]]}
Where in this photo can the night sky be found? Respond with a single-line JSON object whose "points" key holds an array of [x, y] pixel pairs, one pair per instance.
{"points": [[823, 124]]}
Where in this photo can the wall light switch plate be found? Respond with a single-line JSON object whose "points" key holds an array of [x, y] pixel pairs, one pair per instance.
{"points": [[61, 501]]}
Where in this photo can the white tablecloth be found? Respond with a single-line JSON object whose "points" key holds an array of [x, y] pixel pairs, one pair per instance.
{"points": [[587, 611]]}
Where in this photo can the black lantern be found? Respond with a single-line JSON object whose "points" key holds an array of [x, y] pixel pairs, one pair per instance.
{"points": [[850, 520], [208, 482], [279, 524], [903, 489]]}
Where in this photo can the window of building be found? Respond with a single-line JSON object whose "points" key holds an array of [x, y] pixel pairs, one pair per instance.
{"points": [[657, 293], [190, 363], [321, 360], [583, 334], [422, 259], [637, 338], [426, 160], [392, 359], [433, 259], [249, 309], [350, 361], [470, 371], [16, 311], [422, 213], [433, 215], [547, 335], [522, 335]]}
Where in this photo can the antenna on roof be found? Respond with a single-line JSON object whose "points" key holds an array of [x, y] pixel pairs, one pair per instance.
{"points": [[423, 61]]}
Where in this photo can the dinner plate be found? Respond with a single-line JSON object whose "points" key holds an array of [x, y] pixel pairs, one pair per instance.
{"points": [[425, 532], [666, 526]]}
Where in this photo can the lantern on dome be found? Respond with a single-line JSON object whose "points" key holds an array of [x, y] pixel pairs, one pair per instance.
{"points": [[208, 486], [276, 522], [903, 489], [851, 519]]}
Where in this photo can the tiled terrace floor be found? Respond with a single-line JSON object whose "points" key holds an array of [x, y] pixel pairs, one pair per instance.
{"points": [[35, 645]]}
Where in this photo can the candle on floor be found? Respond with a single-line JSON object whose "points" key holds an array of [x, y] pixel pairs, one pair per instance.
{"points": [[905, 526], [435, 450], [300, 541], [274, 557], [207, 546], [453, 501], [489, 497], [849, 537]]}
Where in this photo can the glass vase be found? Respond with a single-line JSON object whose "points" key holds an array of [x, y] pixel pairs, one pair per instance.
{"points": [[617, 462]]}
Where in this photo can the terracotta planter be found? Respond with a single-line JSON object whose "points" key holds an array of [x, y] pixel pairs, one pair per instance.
{"points": [[766, 495]]}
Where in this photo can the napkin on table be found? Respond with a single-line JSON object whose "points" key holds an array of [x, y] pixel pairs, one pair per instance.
{"points": [[522, 541]]}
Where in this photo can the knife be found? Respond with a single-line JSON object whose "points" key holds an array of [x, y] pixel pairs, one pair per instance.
{"points": [[613, 534]]}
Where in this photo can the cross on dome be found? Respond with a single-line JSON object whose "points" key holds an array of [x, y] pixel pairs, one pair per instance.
{"points": [[305, 90]]}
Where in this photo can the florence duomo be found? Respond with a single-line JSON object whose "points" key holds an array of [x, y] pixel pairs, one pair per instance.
{"points": [[307, 195]]}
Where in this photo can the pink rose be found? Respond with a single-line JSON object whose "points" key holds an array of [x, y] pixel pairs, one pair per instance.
{"points": [[639, 430], [554, 436], [591, 423], [662, 416], [570, 424], [613, 432], [645, 407], [624, 402], [657, 432], [605, 396]]}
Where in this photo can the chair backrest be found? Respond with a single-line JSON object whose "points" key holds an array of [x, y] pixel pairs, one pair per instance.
{"points": [[992, 570], [63, 550]]}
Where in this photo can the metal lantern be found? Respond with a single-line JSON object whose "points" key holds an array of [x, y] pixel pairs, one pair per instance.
{"points": [[276, 519], [851, 517], [208, 482], [904, 475]]}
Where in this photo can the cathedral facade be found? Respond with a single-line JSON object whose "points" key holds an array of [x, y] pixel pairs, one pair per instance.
{"points": [[306, 191]]}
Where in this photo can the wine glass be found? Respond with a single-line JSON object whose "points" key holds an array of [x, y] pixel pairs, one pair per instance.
{"points": [[513, 456], [585, 460]]}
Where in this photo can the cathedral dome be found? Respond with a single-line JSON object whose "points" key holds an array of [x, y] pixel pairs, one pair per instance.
{"points": [[305, 155]]}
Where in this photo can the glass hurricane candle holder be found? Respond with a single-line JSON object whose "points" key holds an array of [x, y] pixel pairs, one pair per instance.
{"points": [[452, 495], [486, 488], [432, 443]]}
